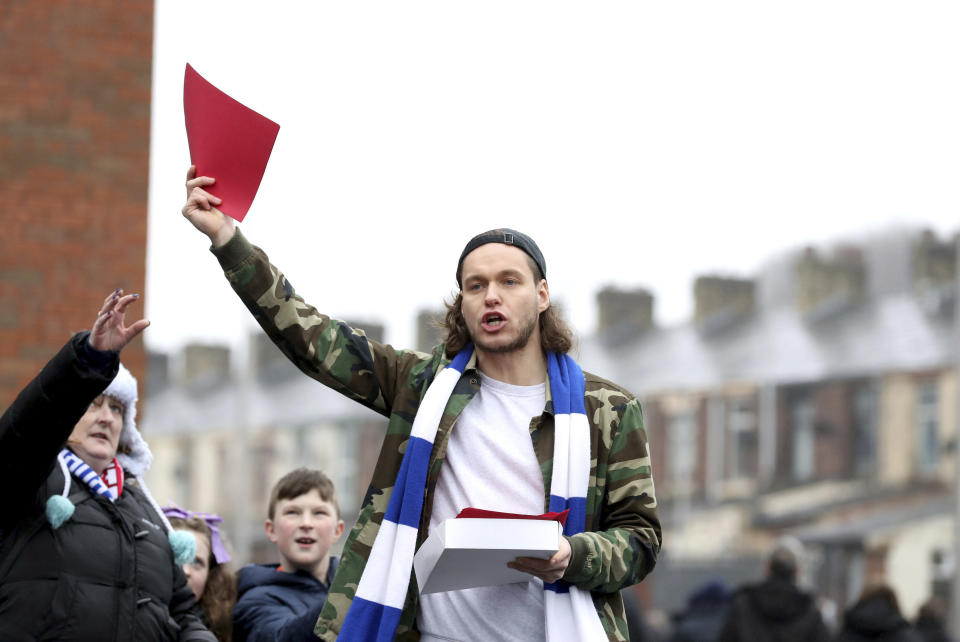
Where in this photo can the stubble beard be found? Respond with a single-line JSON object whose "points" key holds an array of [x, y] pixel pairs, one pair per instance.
{"points": [[519, 343]]}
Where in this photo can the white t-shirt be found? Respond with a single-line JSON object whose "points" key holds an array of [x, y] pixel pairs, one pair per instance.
{"points": [[489, 464]]}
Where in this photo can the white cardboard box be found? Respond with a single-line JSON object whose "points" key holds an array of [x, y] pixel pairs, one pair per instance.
{"points": [[469, 552]]}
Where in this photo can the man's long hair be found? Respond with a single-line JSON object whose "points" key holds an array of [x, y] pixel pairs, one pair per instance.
{"points": [[555, 334]]}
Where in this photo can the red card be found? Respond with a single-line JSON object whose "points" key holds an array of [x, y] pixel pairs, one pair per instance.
{"points": [[228, 141], [492, 514]]}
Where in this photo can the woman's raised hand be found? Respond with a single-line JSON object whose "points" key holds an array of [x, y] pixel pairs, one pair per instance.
{"points": [[109, 331]]}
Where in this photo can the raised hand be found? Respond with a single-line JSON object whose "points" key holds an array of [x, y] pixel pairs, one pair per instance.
{"points": [[109, 331], [199, 209]]}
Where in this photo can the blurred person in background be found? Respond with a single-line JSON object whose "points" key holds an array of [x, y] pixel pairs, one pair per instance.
{"points": [[704, 616], [208, 574], [931, 622], [776, 608], [876, 618], [637, 624], [86, 553]]}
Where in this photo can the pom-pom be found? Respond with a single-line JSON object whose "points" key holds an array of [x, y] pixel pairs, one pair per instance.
{"points": [[59, 510], [184, 546]]}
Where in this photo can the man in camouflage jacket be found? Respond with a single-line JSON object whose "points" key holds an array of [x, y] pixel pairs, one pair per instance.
{"points": [[622, 536]]}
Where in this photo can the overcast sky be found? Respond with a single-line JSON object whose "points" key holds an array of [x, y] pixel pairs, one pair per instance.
{"points": [[640, 144]]}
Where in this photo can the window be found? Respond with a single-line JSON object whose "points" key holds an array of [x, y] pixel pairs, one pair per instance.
{"points": [[183, 472], [302, 452], [224, 491], [941, 573], [865, 429], [803, 440], [681, 452], [262, 460], [741, 460], [927, 426]]}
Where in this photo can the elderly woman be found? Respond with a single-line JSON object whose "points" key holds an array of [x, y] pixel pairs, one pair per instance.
{"points": [[85, 552]]}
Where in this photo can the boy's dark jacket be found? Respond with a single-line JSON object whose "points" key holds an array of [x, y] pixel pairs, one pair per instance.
{"points": [[274, 605]]}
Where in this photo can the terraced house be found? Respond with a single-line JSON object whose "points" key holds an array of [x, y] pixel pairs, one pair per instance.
{"points": [[818, 400]]}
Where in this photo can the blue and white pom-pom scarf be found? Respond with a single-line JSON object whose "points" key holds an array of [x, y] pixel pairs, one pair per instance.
{"points": [[87, 475], [378, 602], [60, 509]]}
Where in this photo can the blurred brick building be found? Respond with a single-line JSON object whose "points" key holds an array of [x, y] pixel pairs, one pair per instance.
{"points": [[817, 400], [75, 83]]}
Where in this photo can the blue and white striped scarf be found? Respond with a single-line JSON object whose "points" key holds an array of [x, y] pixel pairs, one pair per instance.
{"points": [[60, 509], [378, 602], [84, 473]]}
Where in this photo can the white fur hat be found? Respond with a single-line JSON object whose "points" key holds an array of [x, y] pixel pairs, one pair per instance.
{"points": [[136, 460], [134, 453]]}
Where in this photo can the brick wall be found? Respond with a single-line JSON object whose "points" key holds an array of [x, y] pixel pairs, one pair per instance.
{"points": [[74, 153]]}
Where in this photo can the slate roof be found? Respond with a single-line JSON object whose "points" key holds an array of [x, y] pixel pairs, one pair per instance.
{"points": [[893, 330]]}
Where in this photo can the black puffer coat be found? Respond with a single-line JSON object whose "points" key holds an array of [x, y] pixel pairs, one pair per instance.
{"points": [[876, 620], [774, 611], [108, 572]]}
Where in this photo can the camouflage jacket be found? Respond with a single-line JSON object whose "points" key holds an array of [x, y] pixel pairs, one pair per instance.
{"points": [[622, 537]]}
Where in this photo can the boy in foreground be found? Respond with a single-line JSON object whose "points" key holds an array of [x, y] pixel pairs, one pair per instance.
{"points": [[282, 601]]}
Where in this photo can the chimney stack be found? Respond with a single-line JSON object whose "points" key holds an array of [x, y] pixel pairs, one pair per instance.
{"points": [[204, 363], [623, 314], [933, 272], [428, 332], [825, 286], [720, 302], [158, 372]]}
